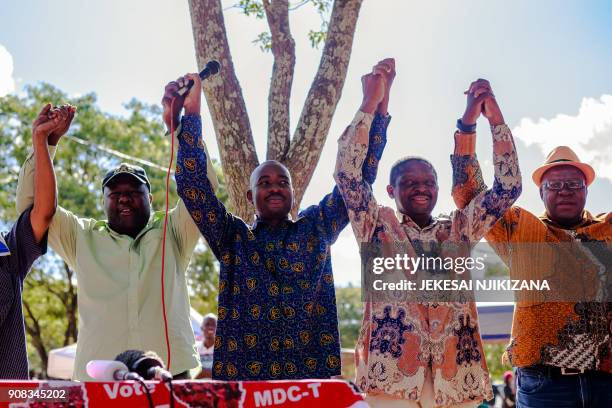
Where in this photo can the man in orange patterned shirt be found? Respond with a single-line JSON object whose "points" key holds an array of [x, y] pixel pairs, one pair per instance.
{"points": [[563, 350]]}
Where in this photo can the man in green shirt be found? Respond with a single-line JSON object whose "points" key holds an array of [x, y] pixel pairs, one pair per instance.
{"points": [[118, 267]]}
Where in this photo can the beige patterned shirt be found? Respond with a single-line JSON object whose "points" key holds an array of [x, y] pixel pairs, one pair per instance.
{"points": [[399, 341]]}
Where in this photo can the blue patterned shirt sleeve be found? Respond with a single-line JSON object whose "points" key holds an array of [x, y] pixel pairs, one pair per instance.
{"points": [[378, 140], [331, 212], [194, 188]]}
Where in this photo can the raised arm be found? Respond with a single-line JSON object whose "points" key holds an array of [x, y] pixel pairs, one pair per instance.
{"points": [[31, 188], [45, 189], [484, 207], [354, 174], [331, 211], [192, 183], [183, 227]]}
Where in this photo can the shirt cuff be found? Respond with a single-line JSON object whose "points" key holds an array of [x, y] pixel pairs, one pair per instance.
{"points": [[465, 144], [362, 118]]}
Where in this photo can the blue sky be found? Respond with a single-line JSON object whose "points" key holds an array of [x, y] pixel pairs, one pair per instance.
{"points": [[549, 62]]}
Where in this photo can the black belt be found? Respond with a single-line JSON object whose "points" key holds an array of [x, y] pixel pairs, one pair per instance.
{"points": [[551, 371]]}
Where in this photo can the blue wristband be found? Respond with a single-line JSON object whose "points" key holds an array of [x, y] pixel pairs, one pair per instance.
{"points": [[463, 128]]}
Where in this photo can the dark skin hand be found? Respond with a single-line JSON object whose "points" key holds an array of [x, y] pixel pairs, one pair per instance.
{"points": [[127, 205], [376, 87], [66, 113], [191, 101], [271, 192], [416, 192], [565, 206], [481, 100]]}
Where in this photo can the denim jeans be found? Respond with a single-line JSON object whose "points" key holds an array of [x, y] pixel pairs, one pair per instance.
{"points": [[538, 389]]}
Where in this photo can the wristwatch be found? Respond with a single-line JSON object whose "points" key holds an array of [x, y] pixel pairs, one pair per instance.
{"points": [[463, 128]]}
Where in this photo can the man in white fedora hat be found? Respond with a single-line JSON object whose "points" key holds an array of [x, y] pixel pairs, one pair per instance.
{"points": [[562, 349]]}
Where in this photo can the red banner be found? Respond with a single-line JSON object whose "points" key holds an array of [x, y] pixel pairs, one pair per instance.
{"points": [[217, 394]]}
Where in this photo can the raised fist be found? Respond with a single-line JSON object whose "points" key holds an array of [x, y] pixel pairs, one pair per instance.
{"points": [[52, 123], [173, 103]]}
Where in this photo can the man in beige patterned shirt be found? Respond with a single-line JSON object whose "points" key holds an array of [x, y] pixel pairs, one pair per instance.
{"points": [[422, 354]]}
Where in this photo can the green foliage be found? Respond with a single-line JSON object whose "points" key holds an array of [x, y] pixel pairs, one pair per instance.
{"points": [[252, 8], [264, 40], [255, 8], [350, 314], [318, 37], [82, 157], [494, 354], [79, 167]]}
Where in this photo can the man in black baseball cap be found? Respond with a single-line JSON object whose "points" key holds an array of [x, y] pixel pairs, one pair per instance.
{"points": [[136, 172], [118, 264], [127, 199]]}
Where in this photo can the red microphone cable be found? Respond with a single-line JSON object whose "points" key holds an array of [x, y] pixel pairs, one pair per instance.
{"points": [[163, 257]]}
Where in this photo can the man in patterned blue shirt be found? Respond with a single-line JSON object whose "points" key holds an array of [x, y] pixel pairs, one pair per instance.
{"points": [[277, 307], [26, 241]]}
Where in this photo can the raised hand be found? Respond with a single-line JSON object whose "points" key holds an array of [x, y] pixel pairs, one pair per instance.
{"points": [[65, 114], [191, 101], [481, 100], [386, 68], [45, 123], [374, 86]]}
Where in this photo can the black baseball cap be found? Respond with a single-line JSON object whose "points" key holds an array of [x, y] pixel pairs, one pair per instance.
{"points": [[136, 172]]}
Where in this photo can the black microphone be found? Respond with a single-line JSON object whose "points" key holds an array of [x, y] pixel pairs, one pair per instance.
{"points": [[158, 373], [146, 364], [212, 68]]}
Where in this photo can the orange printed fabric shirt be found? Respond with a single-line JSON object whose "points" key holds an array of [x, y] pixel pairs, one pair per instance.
{"points": [[575, 335], [399, 341]]}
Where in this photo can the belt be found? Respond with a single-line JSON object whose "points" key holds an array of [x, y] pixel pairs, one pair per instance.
{"points": [[551, 371]]}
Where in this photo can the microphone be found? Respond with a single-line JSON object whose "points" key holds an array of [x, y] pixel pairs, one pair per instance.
{"points": [[109, 370], [212, 68], [147, 364], [158, 373]]}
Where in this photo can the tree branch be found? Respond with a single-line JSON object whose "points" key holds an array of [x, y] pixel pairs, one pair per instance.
{"points": [[279, 97], [225, 102], [36, 335], [323, 96]]}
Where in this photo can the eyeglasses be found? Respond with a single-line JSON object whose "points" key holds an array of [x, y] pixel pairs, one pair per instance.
{"points": [[559, 185]]}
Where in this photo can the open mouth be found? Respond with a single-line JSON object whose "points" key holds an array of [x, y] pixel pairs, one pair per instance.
{"points": [[126, 212]]}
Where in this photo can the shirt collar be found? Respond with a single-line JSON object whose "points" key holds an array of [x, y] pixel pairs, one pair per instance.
{"points": [[587, 219], [407, 221], [259, 222]]}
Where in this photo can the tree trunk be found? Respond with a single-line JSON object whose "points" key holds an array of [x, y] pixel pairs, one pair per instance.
{"points": [[36, 336], [323, 97], [228, 110], [70, 336], [279, 98], [225, 102]]}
